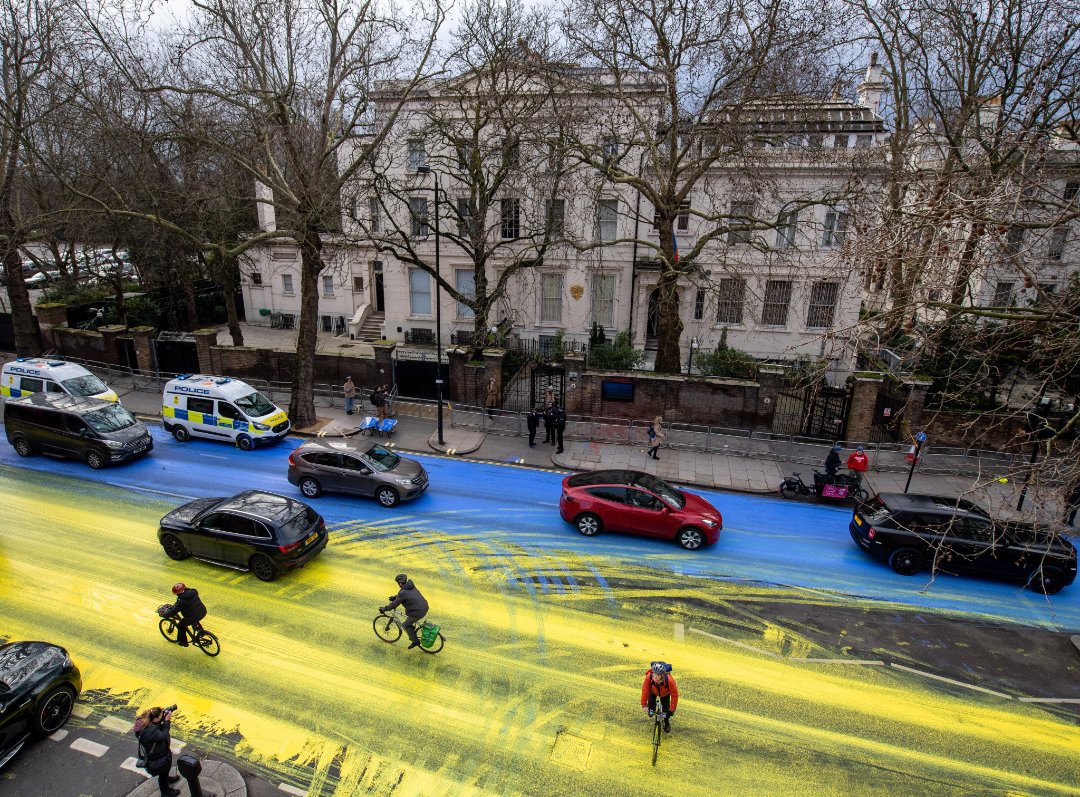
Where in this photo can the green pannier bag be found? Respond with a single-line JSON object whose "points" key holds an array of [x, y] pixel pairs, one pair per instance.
{"points": [[428, 634]]}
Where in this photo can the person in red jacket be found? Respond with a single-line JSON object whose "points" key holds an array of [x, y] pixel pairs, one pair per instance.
{"points": [[858, 462], [660, 684]]}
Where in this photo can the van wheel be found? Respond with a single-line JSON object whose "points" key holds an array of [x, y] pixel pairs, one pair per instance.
{"points": [[23, 447], [310, 488], [94, 459], [245, 443], [181, 434], [262, 567]]}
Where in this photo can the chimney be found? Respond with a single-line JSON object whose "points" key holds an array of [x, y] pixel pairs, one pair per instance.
{"points": [[872, 87], [264, 207]]}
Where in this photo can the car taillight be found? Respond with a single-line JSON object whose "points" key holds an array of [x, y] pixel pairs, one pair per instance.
{"points": [[292, 462], [870, 532], [288, 548]]}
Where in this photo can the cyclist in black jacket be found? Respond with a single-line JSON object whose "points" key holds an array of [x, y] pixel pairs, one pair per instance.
{"points": [[416, 606], [189, 607]]}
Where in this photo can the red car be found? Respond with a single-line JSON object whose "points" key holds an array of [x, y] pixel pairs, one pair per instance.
{"points": [[638, 503]]}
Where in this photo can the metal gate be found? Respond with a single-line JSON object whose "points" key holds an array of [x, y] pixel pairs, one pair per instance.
{"points": [[545, 378], [888, 421], [416, 379], [176, 353], [818, 410]]}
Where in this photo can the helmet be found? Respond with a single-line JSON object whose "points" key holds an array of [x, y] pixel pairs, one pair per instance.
{"points": [[837, 448], [178, 587], [861, 449], [401, 578], [660, 667]]}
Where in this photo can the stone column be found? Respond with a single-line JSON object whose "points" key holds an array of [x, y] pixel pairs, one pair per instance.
{"points": [[493, 360], [863, 403], [50, 316], [144, 351], [916, 403], [457, 358], [574, 363], [770, 377], [110, 350], [384, 361], [205, 339]]}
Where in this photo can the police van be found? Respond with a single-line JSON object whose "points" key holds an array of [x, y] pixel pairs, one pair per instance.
{"points": [[220, 408], [27, 375]]}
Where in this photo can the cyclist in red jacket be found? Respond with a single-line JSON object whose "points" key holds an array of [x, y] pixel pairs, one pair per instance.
{"points": [[659, 683]]}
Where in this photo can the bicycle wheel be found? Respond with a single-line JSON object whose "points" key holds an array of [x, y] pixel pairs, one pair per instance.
{"points": [[386, 628], [169, 629], [655, 738], [436, 645], [207, 643]]}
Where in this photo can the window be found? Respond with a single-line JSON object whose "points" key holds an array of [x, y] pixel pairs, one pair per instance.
{"points": [[328, 286], [417, 155], [31, 385], [465, 217], [740, 216], [1057, 243], [836, 222], [1071, 190], [465, 282], [375, 215], [510, 217], [327, 322], [204, 406], [551, 289], [785, 229], [73, 424], [822, 305], [815, 140], [419, 292], [840, 141], [1003, 294], [603, 299], [610, 148], [556, 216], [777, 298], [418, 218], [729, 303], [463, 157], [358, 284], [607, 217], [1014, 240], [699, 305], [256, 278], [227, 410], [863, 141], [682, 220], [511, 152], [286, 283]]}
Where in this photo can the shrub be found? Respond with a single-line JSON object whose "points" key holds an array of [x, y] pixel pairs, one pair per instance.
{"points": [[727, 362], [616, 356]]}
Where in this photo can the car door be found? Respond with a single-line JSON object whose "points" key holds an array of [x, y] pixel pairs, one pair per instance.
{"points": [[356, 476], [325, 467], [75, 436], [244, 537], [610, 504], [646, 514], [15, 713], [971, 545], [205, 539]]}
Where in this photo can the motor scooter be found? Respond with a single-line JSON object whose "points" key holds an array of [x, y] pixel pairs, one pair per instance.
{"points": [[839, 487]]}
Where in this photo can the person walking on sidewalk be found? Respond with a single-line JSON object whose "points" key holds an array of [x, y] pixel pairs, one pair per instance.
{"points": [[656, 436], [549, 417], [559, 423], [533, 422], [349, 391], [858, 463], [492, 400]]}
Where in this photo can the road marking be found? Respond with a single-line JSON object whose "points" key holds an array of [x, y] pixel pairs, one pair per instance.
{"points": [[58, 735], [82, 712], [838, 661], [742, 645], [951, 681], [680, 632], [176, 746], [129, 765], [285, 787], [115, 724], [87, 746], [1048, 699]]}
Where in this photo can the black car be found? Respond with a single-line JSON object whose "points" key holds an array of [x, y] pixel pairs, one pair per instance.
{"points": [[258, 531], [912, 532], [38, 686]]}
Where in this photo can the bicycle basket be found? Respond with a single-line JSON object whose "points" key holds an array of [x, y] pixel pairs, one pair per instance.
{"points": [[428, 634]]}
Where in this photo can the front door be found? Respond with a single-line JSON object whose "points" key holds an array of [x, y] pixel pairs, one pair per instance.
{"points": [[645, 513], [206, 541], [377, 280]]}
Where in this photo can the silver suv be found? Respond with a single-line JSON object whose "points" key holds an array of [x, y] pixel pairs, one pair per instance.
{"points": [[360, 467]]}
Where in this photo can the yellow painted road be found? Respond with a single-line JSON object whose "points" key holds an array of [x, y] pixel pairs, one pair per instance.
{"points": [[535, 693]]}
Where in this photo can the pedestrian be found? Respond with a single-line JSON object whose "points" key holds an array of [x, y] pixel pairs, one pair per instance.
{"points": [[660, 685], [492, 400], [533, 422], [349, 391], [152, 731], [416, 606], [1072, 500], [656, 436], [189, 607], [832, 461], [560, 426], [378, 400], [549, 417], [858, 463], [388, 401]]}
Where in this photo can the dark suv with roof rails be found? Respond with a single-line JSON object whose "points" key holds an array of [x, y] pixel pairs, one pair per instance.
{"points": [[953, 535]]}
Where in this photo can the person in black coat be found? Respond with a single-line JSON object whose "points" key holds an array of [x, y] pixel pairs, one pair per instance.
{"points": [[832, 462], [560, 426], [416, 606], [152, 730], [189, 607], [549, 418], [533, 422]]}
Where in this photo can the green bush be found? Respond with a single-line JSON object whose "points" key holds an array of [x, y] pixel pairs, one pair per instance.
{"points": [[727, 362], [616, 356]]}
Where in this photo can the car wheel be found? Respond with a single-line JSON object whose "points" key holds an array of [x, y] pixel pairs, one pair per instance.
{"points": [[589, 525], [95, 459], [23, 447], [245, 443], [53, 710], [263, 568], [691, 538], [181, 434], [310, 488], [387, 496], [1047, 580], [174, 547], [906, 561], [789, 488]]}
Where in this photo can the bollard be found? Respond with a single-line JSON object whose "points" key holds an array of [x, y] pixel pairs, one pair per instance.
{"points": [[189, 768]]}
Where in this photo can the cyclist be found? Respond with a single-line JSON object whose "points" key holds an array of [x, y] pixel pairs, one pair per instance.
{"points": [[659, 684], [416, 606], [189, 607]]}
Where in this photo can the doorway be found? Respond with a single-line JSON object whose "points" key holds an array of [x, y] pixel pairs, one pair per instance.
{"points": [[377, 279], [652, 324]]}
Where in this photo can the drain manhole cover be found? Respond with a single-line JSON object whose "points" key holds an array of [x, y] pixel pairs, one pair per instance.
{"points": [[571, 751]]}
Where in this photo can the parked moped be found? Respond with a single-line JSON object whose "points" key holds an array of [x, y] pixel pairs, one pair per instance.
{"points": [[839, 487]]}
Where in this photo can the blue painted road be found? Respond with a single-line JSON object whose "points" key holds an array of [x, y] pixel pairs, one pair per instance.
{"points": [[768, 540]]}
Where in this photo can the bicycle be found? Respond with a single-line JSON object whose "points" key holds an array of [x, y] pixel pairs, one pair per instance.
{"points": [[197, 635], [657, 731], [388, 627]]}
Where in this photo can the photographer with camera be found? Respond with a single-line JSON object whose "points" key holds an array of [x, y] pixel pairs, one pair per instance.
{"points": [[152, 731]]}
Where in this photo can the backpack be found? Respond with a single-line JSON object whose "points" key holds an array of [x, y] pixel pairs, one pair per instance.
{"points": [[376, 398], [652, 432], [140, 760]]}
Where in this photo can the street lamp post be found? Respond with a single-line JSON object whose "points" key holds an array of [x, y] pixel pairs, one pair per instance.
{"points": [[438, 304], [690, 360]]}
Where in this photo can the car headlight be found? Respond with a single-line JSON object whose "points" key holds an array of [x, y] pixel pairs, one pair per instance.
{"points": [[405, 482], [114, 444], [709, 522], [262, 427]]}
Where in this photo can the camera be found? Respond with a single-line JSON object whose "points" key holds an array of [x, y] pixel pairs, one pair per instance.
{"points": [[170, 708]]}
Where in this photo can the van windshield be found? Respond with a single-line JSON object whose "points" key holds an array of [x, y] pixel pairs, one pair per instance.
{"points": [[88, 385], [382, 458], [109, 419], [255, 405]]}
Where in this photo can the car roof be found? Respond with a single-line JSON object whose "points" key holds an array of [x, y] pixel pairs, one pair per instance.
{"points": [[270, 506], [340, 446], [80, 405], [935, 503], [629, 478]]}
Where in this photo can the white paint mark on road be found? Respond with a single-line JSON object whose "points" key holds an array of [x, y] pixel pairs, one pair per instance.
{"points": [[285, 787], [129, 765], [1049, 700], [89, 747], [742, 645], [874, 662], [58, 735], [951, 681], [680, 632], [115, 724], [82, 712]]}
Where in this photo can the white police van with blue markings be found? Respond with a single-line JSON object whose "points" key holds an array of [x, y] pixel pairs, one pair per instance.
{"points": [[25, 376], [220, 408]]}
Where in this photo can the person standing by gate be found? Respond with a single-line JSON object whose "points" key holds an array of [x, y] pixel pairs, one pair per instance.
{"points": [[533, 421], [559, 423], [378, 399], [492, 400], [349, 391], [549, 417]]}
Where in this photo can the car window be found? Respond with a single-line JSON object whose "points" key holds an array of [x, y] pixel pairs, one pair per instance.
{"points": [[642, 499], [52, 387], [32, 385], [661, 488], [238, 524], [227, 410], [205, 406], [110, 419], [974, 529], [382, 459], [298, 525], [220, 521], [616, 494], [352, 463], [74, 424], [88, 385], [322, 459], [255, 405], [43, 417]]}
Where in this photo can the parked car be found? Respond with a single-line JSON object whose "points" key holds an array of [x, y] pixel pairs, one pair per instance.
{"points": [[913, 532], [360, 467], [39, 684], [254, 530], [638, 503]]}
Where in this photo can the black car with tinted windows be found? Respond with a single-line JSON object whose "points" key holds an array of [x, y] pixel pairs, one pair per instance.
{"points": [[39, 684], [952, 535], [265, 533]]}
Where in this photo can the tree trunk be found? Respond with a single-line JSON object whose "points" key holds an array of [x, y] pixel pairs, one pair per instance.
{"points": [[27, 343], [190, 309], [669, 324], [302, 404], [228, 281]]}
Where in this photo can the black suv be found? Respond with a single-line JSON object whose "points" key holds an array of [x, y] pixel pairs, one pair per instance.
{"points": [[911, 532]]}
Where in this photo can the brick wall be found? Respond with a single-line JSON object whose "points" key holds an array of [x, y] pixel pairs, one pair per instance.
{"points": [[85, 344], [245, 362]]}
